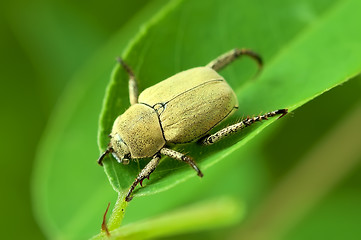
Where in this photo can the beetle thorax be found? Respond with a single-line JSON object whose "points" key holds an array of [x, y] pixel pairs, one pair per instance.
{"points": [[137, 133]]}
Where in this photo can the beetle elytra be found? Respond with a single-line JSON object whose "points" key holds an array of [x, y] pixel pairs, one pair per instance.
{"points": [[181, 109]]}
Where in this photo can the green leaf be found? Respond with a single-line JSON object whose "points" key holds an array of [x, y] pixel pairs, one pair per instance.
{"points": [[301, 47], [308, 47]]}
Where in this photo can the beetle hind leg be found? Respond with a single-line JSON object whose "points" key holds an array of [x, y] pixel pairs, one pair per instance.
{"points": [[227, 58], [133, 87], [145, 173], [181, 157], [221, 134]]}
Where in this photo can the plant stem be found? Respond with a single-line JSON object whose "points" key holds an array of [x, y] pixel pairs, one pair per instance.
{"points": [[117, 216]]}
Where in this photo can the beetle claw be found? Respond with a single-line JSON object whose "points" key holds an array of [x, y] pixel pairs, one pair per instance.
{"points": [[282, 112], [128, 198]]}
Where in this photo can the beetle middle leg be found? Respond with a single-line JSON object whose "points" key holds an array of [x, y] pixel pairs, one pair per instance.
{"points": [[133, 87], [181, 157], [145, 173], [227, 58], [221, 134]]}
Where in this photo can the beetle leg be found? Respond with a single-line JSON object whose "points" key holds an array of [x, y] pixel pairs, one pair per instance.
{"points": [[227, 58], [239, 126], [100, 159], [145, 173], [181, 157], [133, 87]]}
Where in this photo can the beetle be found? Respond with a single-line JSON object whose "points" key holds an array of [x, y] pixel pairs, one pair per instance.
{"points": [[180, 109]]}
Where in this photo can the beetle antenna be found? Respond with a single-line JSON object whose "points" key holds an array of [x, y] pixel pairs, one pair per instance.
{"points": [[100, 159]]}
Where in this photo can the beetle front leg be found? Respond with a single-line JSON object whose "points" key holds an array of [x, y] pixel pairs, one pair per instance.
{"points": [[181, 157], [221, 134], [133, 87], [227, 58], [145, 173]]}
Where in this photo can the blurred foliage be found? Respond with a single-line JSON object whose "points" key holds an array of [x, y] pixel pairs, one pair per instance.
{"points": [[63, 52]]}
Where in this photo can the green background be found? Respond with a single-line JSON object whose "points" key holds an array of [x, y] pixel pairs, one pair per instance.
{"points": [[299, 179]]}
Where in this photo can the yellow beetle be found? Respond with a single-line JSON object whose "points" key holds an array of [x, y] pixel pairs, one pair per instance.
{"points": [[180, 109]]}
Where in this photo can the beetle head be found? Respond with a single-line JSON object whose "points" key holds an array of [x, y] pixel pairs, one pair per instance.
{"points": [[118, 148]]}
